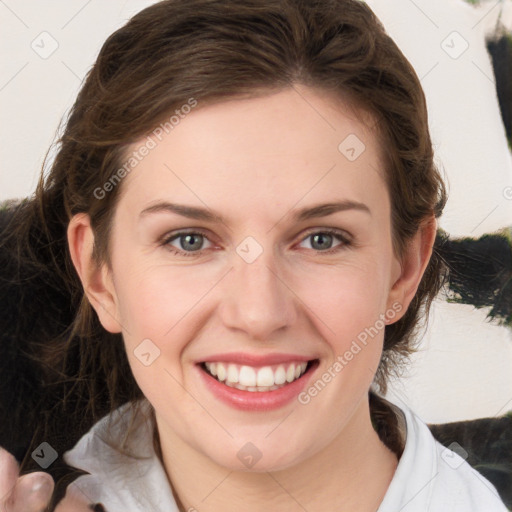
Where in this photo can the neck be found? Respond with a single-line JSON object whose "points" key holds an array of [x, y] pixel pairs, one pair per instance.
{"points": [[352, 472]]}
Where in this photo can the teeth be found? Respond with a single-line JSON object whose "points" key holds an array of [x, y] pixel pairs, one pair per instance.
{"points": [[221, 372], [232, 375], [280, 375], [253, 379], [265, 376], [247, 376]]}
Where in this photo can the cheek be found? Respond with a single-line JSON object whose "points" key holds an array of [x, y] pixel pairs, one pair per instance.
{"points": [[344, 299], [155, 300], [156, 303]]}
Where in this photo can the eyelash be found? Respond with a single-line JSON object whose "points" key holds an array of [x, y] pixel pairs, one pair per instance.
{"points": [[345, 242]]}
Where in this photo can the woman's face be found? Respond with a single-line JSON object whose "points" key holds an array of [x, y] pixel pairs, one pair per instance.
{"points": [[279, 280]]}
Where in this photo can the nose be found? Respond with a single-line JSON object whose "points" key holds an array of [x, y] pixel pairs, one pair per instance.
{"points": [[257, 300]]}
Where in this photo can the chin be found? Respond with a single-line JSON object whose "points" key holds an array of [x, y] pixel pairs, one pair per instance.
{"points": [[255, 458]]}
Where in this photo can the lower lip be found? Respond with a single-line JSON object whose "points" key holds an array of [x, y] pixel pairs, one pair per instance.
{"points": [[257, 400]]}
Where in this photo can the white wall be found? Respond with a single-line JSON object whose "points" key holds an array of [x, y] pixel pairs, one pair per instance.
{"points": [[463, 368]]}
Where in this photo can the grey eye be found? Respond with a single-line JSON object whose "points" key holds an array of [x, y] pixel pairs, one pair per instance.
{"points": [[191, 241], [322, 241], [187, 242]]}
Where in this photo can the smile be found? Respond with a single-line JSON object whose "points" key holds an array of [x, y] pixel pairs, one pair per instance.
{"points": [[254, 379], [256, 382]]}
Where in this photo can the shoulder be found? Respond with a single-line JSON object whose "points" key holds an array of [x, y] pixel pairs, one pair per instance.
{"points": [[465, 487], [430, 476], [124, 472]]}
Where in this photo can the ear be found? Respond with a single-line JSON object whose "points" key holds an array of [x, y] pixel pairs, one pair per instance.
{"points": [[97, 282], [410, 270]]}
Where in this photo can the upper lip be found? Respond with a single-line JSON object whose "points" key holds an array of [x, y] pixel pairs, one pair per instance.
{"points": [[255, 359]]}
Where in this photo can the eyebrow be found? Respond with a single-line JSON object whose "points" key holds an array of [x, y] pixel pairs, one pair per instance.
{"points": [[204, 214]]}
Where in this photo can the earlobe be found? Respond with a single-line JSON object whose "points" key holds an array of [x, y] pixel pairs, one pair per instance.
{"points": [[412, 267], [96, 281]]}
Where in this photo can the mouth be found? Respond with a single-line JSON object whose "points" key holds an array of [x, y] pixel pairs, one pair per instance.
{"points": [[258, 379]]}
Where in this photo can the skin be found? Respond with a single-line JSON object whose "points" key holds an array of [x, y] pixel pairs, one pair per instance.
{"points": [[33, 492], [254, 161]]}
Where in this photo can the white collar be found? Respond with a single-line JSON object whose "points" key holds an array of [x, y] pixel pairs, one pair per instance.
{"points": [[132, 481], [431, 477], [135, 481]]}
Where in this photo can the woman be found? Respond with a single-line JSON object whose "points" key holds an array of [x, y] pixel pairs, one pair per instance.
{"points": [[245, 202]]}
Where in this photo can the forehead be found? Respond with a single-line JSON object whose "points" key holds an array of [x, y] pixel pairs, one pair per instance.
{"points": [[273, 149]]}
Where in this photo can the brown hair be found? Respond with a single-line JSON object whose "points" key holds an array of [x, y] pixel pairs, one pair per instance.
{"points": [[212, 50]]}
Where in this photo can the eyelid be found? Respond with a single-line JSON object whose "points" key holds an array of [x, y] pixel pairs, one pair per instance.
{"points": [[344, 235], [174, 235], [345, 238]]}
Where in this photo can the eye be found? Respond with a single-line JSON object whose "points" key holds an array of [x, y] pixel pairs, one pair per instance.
{"points": [[321, 241], [190, 243]]}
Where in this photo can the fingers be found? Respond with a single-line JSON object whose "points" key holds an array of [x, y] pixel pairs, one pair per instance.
{"points": [[8, 475], [29, 493], [32, 493]]}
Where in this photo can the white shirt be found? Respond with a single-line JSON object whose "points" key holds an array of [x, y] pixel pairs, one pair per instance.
{"points": [[429, 477]]}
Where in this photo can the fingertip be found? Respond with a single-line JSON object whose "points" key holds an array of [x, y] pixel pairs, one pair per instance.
{"points": [[9, 471], [34, 491], [8, 460]]}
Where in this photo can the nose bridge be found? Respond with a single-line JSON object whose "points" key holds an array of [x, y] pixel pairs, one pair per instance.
{"points": [[257, 300]]}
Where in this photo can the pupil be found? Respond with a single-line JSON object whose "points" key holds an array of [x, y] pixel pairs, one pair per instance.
{"points": [[188, 237], [321, 237]]}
